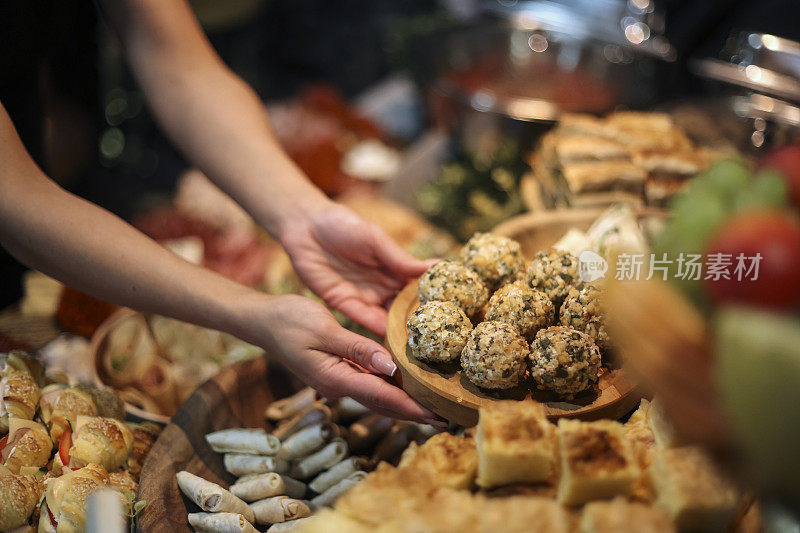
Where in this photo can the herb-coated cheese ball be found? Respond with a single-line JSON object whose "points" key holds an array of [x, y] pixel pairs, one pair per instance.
{"points": [[581, 310], [448, 281], [495, 356], [564, 361], [527, 309], [438, 331], [497, 260], [553, 272]]}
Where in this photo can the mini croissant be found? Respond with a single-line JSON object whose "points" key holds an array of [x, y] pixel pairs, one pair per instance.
{"points": [[66, 496], [28, 445], [103, 441], [20, 394], [19, 496], [60, 405]]}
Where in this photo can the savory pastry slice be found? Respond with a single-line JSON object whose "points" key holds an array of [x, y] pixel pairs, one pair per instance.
{"points": [[522, 514], [220, 523], [27, 444], [621, 515], [279, 509], [692, 490], [61, 405], [66, 496], [452, 461], [103, 441], [603, 175], [386, 493], [211, 497], [19, 495], [514, 441], [255, 441], [577, 148], [596, 461]]}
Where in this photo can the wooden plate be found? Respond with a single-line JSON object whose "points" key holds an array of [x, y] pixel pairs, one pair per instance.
{"points": [[237, 397], [444, 390]]}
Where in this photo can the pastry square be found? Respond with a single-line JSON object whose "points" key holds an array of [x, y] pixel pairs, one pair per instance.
{"points": [[452, 461], [663, 432], [521, 514], [597, 462], [515, 443], [621, 515], [575, 148], [603, 175], [692, 490]]}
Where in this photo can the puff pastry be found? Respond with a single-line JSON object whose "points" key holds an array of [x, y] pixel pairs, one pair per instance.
{"points": [[60, 407], [20, 394], [453, 461], [254, 441], [99, 440], [220, 523], [315, 463], [19, 496], [28, 445], [211, 497], [307, 441], [240, 464], [66, 497]]}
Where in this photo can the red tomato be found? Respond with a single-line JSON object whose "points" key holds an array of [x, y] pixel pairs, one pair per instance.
{"points": [[52, 518], [774, 235], [3, 442], [786, 160], [64, 444]]}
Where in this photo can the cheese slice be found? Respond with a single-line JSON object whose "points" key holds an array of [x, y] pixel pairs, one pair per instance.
{"points": [[15, 424]]}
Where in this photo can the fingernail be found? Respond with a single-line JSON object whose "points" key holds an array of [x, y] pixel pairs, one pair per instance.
{"points": [[382, 362]]}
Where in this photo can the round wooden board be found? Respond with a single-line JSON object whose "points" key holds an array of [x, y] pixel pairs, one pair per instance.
{"points": [[443, 389]]}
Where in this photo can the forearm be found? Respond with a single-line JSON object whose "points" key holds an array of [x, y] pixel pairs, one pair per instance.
{"points": [[215, 119], [90, 249]]}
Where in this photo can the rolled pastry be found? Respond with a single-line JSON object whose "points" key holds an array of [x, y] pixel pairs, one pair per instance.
{"points": [[307, 441], [210, 496], [243, 464], [220, 523], [19, 393], [368, 431], [19, 496], [254, 441], [328, 456], [335, 474], [290, 406], [398, 439], [102, 441], [279, 509], [283, 527], [332, 494], [319, 412], [348, 409], [259, 486]]}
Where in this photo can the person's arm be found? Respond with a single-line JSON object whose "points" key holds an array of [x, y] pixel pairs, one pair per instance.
{"points": [[221, 126], [90, 249]]}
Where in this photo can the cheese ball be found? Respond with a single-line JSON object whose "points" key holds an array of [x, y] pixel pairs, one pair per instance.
{"points": [[495, 356], [448, 281], [564, 361], [581, 310], [497, 260], [527, 309], [438, 331], [553, 272]]}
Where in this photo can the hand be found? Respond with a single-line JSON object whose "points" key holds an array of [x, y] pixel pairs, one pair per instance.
{"points": [[306, 337], [351, 264]]}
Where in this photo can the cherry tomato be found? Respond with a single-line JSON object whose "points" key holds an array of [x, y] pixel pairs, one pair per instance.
{"points": [[64, 444], [786, 160], [776, 236]]}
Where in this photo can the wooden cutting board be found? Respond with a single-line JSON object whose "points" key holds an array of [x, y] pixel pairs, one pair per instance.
{"points": [[236, 397]]}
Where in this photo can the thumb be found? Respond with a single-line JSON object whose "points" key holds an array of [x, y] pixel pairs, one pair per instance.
{"points": [[394, 257], [362, 351]]}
